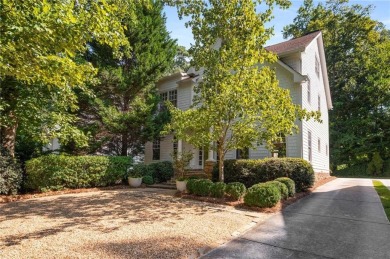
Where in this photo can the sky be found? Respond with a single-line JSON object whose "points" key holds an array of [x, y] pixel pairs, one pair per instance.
{"points": [[282, 18]]}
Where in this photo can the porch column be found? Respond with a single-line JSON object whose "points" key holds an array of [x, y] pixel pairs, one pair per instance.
{"points": [[209, 163], [179, 147]]}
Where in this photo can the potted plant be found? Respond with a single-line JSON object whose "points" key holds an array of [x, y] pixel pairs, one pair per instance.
{"points": [[135, 176], [180, 162]]}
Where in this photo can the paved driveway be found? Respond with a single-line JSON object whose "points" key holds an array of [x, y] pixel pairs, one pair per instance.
{"points": [[341, 219]]}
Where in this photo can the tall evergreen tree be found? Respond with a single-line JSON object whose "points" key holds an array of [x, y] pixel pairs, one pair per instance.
{"points": [[358, 55], [124, 113]]}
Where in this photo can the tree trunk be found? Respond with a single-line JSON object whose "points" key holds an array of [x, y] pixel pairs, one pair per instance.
{"points": [[8, 137], [221, 155], [124, 144]]}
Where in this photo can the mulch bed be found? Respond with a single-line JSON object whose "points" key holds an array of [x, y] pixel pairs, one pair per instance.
{"points": [[240, 203]]}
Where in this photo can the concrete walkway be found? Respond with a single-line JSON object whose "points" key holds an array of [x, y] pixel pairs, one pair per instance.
{"points": [[341, 219]]}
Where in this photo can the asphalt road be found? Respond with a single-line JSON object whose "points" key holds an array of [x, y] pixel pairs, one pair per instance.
{"points": [[341, 219]]}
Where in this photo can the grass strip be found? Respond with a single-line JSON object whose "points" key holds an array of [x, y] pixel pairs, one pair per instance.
{"points": [[384, 194]]}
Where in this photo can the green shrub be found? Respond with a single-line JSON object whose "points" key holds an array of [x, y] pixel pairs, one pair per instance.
{"points": [[10, 175], [53, 172], [191, 185], [250, 172], [376, 165], [161, 171], [202, 187], [217, 190], [147, 179], [263, 195], [139, 170], [289, 183], [282, 188], [235, 190]]}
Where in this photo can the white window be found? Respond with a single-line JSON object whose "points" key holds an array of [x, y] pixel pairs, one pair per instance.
{"points": [[319, 103], [319, 145], [308, 91], [317, 67], [200, 156], [173, 97], [326, 149], [156, 149], [309, 147]]}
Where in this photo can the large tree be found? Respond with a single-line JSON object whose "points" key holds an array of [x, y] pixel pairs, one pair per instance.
{"points": [[238, 101], [358, 55], [39, 65], [125, 107]]}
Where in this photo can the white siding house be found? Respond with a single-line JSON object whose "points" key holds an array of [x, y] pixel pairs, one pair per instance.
{"points": [[301, 68]]}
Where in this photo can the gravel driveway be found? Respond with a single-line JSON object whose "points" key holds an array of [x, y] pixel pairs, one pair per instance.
{"points": [[125, 223]]}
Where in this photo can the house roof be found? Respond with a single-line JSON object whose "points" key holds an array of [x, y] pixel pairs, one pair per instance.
{"points": [[293, 45]]}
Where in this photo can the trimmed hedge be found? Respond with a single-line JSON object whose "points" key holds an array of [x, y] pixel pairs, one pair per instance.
{"points": [[235, 190], [250, 172], [191, 185], [263, 195], [289, 183], [202, 187], [55, 172], [159, 171], [148, 179], [282, 188], [217, 190], [10, 175]]}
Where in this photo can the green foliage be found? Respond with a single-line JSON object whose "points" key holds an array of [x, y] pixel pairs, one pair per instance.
{"points": [[282, 188], [376, 165], [289, 184], [238, 91], [357, 55], [40, 66], [201, 187], [161, 171], [235, 190], [191, 185], [384, 194], [10, 175], [361, 170], [125, 104], [148, 179], [54, 172], [263, 195], [181, 161], [217, 190], [250, 172]]}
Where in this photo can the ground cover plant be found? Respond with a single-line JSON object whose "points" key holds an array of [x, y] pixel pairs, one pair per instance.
{"points": [[384, 194]]}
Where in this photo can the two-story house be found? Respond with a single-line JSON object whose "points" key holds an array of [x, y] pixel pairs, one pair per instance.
{"points": [[301, 68]]}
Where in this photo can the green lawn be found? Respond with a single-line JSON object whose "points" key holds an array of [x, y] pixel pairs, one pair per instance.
{"points": [[384, 194]]}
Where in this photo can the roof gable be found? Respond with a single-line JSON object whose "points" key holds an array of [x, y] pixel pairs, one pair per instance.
{"points": [[293, 45]]}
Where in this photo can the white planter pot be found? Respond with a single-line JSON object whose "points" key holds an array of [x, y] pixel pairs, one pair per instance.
{"points": [[181, 186], [135, 182]]}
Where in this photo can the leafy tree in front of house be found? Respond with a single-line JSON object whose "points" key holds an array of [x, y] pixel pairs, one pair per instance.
{"points": [[357, 51], [238, 101], [124, 113], [39, 65]]}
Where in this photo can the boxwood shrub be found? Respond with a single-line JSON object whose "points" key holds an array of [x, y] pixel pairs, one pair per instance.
{"points": [[250, 172], [289, 183], [191, 185], [282, 188], [161, 171], [202, 187], [263, 195], [235, 190], [217, 189], [54, 172], [148, 179]]}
